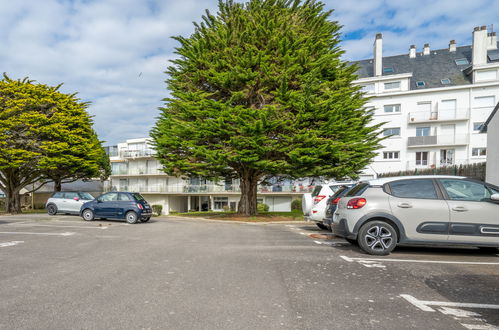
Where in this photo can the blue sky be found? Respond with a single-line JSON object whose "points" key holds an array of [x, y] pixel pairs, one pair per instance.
{"points": [[114, 52]]}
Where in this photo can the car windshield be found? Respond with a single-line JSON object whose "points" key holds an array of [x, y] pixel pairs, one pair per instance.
{"points": [[86, 196], [138, 197]]}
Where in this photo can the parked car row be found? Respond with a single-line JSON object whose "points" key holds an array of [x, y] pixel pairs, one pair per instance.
{"points": [[131, 207], [431, 210]]}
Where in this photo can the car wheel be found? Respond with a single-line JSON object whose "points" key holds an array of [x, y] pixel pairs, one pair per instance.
{"points": [[131, 217], [377, 238], [321, 226], [146, 219], [51, 209], [88, 215], [351, 241]]}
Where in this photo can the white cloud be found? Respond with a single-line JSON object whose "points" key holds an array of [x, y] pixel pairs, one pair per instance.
{"points": [[114, 52]]}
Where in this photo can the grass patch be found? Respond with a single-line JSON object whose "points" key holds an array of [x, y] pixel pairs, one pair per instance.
{"points": [[294, 215]]}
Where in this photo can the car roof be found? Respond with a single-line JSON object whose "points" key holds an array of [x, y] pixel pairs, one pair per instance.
{"points": [[382, 181]]}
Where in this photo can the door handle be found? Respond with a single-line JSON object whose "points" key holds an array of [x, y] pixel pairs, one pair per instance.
{"points": [[459, 209], [404, 205]]}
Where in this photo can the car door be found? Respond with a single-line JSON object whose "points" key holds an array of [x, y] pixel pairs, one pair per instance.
{"points": [[106, 205], [474, 217], [124, 203], [420, 207], [72, 205]]}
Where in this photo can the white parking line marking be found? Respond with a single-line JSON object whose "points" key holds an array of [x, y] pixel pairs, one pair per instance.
{"points": [[57, 226], [31, 233], [424, 304], [420, 261], [479, 326], [12, 243]]}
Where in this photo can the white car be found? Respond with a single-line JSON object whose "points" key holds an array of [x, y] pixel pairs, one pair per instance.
{"points": [[314, 205], [67, 202]]}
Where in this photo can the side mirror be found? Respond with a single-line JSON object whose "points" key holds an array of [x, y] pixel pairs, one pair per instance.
{"points": [[76, 198], [495, 197], [99, 200]]}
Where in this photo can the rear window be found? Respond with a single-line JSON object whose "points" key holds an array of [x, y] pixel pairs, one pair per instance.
{"points": [[357, 190], [339, 191], [138, 197], [316, 191], [125, 197], [420, 188]]}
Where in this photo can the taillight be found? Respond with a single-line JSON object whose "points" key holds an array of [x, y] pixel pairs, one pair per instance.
{"points": [[356, 203], [140, 206], [335, 201], [318, 198]]}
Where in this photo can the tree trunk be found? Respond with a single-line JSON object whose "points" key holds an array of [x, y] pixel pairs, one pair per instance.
{"points": [[12, 201], [57, 185], [247, 203]]}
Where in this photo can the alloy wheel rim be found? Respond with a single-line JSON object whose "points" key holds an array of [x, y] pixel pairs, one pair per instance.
{"points": [[131, 217], [87, 215], [378, 238]]}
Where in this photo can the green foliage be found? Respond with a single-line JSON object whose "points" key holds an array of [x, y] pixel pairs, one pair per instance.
{"points": [[260, 89], [45, 135], [157, 209], [260, 207], [296, 204]]}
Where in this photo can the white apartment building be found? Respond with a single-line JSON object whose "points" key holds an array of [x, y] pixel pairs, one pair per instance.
{"points": [[433, 103], [135, 169]]}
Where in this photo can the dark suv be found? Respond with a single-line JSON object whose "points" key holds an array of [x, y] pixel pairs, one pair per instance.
{"points": [[117, 205]]}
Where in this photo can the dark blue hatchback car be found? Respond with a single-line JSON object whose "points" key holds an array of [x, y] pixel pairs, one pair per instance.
{"points": [[117, 205]]}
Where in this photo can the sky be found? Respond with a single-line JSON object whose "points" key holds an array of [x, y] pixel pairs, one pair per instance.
{"points": [[114, 53]]}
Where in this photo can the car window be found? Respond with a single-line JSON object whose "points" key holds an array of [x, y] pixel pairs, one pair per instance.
{"points": [[71, 195], [418, 188], [125, 197], [109, 197], [138, 197], [334, 189], [357, 190], [463, 190], [86, 196], [58, 195], [339, 191], [316, 191]]}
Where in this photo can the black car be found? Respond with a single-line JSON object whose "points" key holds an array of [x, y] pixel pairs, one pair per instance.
{"points": [[332, 203], [117, 205]]}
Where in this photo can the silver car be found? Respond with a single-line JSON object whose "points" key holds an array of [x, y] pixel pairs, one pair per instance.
{"points": [[67, 202], [427, 210]]}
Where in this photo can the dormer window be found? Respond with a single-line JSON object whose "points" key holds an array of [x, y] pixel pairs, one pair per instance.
{"points": [[388, 70], [420, 83], [462, 61], [445, 81]]}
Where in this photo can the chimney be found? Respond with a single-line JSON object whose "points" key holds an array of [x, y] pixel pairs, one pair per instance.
{"points": [[452, 46], [412, 51], [479, 46], [492, 40], [378, 55], [426, 49]]}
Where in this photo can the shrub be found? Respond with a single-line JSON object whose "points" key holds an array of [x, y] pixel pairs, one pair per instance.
{"points": [[296, 204], [226, 208], [157, 209], [262, 207]]}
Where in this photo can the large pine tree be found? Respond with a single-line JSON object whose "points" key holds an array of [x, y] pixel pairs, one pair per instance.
{"points": [[260, 89]]}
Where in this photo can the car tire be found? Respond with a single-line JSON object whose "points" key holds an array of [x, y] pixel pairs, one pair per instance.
{"points": [[146, 219], [131, 217], [87, 215], [377, 238], [351, 241], [321, 226], [51, 209]]}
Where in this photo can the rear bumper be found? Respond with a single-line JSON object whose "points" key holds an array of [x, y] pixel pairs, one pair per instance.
{"points": [[341, 229], [145, 214]]}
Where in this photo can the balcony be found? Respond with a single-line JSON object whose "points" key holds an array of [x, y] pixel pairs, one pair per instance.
{"points": [[437, 140], [207, 189], [147, 153], [418, 117]]}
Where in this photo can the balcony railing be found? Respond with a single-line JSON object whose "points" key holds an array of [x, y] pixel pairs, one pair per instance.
{"points": [[205, 189], [417, 117], [137, 153], [139, 171], [438, 140]]}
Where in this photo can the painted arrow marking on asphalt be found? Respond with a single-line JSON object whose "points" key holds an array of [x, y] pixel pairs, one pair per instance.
{"points": [[6, 244], [31, 233]]}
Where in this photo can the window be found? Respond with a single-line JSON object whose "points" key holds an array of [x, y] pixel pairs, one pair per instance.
{"points": [[462, 61], [369, 88], [357, 190], [417, 188], [391, 108], [486, 75], [484, 101], [125, 198], [422, 158], [220, 202], [71, 195], [420, 83], [58, 194], [477, 152], [394, 131], [445, 81], [391, 154], [477, 126], [424, 106], [86, 196], [422, 131], [446, 157], [388, 70], [462, 190], [392, 85], [109, 197]]}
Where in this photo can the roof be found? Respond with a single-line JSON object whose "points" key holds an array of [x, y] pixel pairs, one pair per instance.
{"points": [[382, 181], [485, 125], [439, 64]]}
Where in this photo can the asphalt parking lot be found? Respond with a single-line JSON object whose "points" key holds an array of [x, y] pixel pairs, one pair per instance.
{"points": [[175, 273]]}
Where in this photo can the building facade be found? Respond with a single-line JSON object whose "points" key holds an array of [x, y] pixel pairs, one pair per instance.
{"points": [[134, 168], [491, 128], [432, 103]]}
